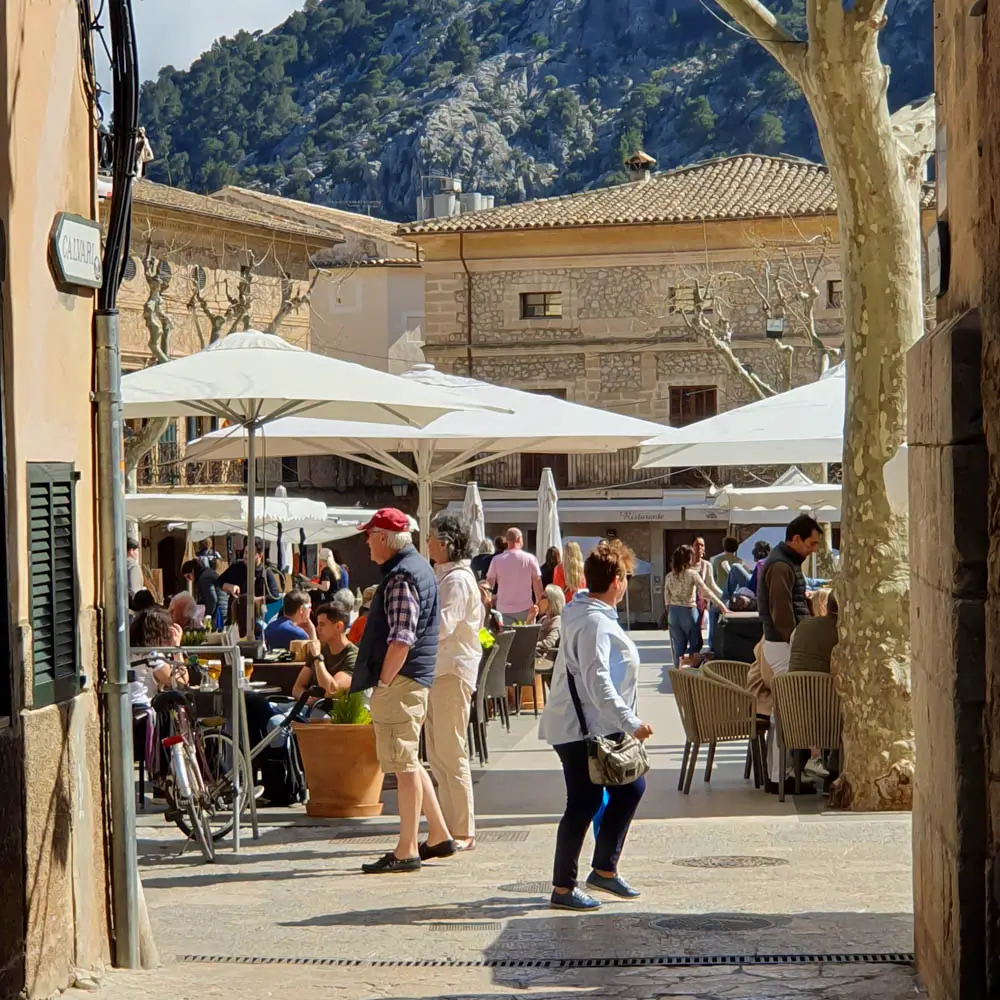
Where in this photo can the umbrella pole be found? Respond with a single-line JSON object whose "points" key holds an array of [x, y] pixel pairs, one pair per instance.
{"points": [[424, 487], [250, 555]]}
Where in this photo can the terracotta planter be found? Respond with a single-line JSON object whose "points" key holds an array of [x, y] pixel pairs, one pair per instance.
{"points": [[342, 772]]}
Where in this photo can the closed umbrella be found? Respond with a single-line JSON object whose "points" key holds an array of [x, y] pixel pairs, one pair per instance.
{"points": [[548, 516], [472, 514], [253, 378]]}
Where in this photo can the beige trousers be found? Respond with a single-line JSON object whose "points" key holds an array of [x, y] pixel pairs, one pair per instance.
{"points": [[447, 750]]}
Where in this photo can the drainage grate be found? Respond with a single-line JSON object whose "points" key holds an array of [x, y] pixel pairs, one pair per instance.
{"points": [[365, 839], [528, 888], [720, 922], [502, 836], [465, 925], [662, 961], [730, 861]]}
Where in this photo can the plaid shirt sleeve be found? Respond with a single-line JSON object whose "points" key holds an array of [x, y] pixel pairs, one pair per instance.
{"points": [[402, 610]]}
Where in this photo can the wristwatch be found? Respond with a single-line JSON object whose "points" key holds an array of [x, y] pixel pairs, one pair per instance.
{"points": [[381, 683]]}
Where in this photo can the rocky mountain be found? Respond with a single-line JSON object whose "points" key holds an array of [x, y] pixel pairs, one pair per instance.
{"points": [[350, 102]]}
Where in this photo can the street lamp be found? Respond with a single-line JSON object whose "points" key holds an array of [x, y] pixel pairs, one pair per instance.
{"points": [[774, 327], [400, 487]]}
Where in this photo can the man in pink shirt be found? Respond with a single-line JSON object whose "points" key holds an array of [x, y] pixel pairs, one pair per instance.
{"points": [[518, 579]]}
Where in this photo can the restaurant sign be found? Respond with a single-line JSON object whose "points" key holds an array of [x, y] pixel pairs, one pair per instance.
{"points": [[76, 250]]}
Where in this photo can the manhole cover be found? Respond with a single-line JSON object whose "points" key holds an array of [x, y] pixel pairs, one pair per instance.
{"points": [[503, 836], [730, 861], [720, 922], [528, 888]]}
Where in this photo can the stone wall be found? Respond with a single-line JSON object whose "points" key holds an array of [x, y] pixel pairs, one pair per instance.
{"points": [[616, 344]]}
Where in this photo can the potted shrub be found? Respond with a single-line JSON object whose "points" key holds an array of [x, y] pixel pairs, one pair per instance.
{"points": [[338, 756]]}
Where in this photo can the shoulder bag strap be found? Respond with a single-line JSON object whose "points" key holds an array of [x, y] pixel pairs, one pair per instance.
{"points": [[574, 694]]}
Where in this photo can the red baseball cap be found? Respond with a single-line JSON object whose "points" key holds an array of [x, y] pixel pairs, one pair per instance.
{"points": [[388, 519]]}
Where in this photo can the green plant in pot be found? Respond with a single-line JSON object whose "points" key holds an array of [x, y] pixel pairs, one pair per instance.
{"points": [[338, 755]]}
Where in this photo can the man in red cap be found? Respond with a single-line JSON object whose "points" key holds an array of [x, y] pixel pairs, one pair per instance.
{"points": [[396, 659]]}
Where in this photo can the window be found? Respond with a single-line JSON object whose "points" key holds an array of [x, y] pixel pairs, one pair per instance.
{"points": [[289, 470], [52, 581], [691, 403], [834, 293], [541, 305], [685, 299]]}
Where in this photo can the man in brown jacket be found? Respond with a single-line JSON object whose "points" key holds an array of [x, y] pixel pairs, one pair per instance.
{"points": [[782, 601]]}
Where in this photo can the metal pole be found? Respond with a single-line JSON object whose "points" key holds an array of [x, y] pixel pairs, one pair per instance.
{"points": [[237, 672], [111, 521], [424, 488], [251, 557]]}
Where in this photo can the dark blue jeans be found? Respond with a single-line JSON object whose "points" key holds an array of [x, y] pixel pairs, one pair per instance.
{"points": [[583, 799]]}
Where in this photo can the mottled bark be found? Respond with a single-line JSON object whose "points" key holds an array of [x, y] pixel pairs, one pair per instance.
{"points": [[877, 186], [290, 303], [141, 443]]}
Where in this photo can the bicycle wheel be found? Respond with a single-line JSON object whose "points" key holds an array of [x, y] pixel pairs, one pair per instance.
{"points": [[217, 769], [198, 819]]}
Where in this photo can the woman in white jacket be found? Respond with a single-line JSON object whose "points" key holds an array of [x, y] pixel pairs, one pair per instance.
{"points": [[603, 663]]}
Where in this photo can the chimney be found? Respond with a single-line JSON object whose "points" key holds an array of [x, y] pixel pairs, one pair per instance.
{"points": [[639, 166]]}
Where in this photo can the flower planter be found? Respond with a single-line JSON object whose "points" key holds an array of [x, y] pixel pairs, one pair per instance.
{"points": [[342, 772]]}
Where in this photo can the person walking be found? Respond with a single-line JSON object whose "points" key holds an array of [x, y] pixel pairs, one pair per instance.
{"points": [[569, 573], [455, 672], [782, 604], [517, 578], [681, 588], [205, 585], [397, 657], [481, 560], [600, 664], [133, 569], [704, 569]]}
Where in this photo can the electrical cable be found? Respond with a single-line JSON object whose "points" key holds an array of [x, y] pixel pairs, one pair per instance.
{"points": [[746, 34]]}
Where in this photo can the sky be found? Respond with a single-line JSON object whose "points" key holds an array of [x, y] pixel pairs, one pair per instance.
{"points": [[178, 31]]}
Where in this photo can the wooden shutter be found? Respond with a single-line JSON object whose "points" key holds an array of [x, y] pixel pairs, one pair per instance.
{"points": [[52, 581]]}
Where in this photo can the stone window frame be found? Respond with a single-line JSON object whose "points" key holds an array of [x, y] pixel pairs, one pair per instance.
{"points": [[675, 314], [691, 385], [557, 303]]}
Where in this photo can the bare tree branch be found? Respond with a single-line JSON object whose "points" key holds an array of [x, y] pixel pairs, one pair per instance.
{"points": [[290, 303], [763, 26], [140, 444]]}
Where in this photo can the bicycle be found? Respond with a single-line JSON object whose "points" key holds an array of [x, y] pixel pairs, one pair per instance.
{"points": [[209, 812]]}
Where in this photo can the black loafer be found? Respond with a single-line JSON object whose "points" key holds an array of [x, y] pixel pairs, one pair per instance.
{"points": [[389, 864], [445, 849]]}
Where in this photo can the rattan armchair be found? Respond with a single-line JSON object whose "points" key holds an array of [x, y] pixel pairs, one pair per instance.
{"points": [[807, 714], [682, 684], [724, 713], [735, 672]]}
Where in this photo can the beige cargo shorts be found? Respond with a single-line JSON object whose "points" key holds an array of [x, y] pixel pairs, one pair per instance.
{"points": [[398, 713]]}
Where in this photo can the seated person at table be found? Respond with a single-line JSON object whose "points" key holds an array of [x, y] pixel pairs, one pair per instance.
{"points": [[493, 622], [357, 630], [294, 622], [330, 658], [814, 638], [184, 611], [548, 614]]}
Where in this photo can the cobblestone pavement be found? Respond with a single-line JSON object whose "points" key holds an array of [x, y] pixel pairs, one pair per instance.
{"points": [[724, 871]]}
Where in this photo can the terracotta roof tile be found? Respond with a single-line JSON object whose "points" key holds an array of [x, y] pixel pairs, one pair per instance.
{"points": [[323, 215], [747, 186], [156, 195]]}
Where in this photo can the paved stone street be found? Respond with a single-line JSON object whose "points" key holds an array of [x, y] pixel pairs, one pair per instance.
{"points": [[725, 871]]}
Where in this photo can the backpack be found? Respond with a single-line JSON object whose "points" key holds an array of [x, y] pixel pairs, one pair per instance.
{"points": [[282, 775]]}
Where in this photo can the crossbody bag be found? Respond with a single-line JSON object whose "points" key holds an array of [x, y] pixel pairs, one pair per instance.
{"points": [[610, 760]]}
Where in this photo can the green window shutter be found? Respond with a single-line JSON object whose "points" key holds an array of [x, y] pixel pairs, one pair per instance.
{"points": [[52, 581]]}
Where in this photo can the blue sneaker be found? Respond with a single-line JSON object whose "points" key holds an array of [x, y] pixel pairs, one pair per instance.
{"points": [[616, 885], [577, 899]]}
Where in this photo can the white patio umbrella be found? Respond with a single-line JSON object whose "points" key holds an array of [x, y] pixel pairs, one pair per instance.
{"points": [[252, 378], [548, 533], [472, 514], [802, 425], [451, 444]]}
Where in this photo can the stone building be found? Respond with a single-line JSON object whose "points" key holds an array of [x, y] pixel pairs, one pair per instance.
{"points": [[198, 269], [954, 414], [596, 297], [368, 303]]}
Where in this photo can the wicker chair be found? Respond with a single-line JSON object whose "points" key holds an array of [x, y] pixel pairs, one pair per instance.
{"points": [[733, 672], [724, 713], [807, 714], [681, 684], [521, 663]]}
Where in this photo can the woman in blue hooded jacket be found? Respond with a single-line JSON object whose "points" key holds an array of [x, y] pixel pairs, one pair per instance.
{"points": [[604, 665]]}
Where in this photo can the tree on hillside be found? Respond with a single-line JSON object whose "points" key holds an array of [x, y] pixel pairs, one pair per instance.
{"points": [[877, 176]]}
